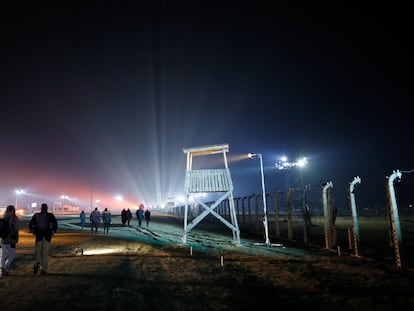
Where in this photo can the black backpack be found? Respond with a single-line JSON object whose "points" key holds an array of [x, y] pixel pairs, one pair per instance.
{"points": [[4, 228]]}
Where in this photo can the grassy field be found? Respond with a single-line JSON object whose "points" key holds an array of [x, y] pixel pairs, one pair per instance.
{"points": [[374, 237], [134, 275]]}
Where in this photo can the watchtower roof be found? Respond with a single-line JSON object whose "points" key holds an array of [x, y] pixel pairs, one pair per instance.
{"points": [[206, 150]]}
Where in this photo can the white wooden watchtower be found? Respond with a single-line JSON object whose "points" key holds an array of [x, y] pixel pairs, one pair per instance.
{"points": [[209, 180]]}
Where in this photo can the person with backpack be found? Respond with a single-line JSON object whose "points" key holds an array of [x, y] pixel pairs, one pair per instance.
{"points": [[9, 239], [43, 225]]}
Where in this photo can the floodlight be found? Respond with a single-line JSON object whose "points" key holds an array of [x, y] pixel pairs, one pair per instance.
{"points": [[252, 155], [302, 162], [283, 163]]}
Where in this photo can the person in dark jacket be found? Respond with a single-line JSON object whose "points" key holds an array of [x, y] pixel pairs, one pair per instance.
{"points": [[43, 225], [124, 217], [129, 216], [8, 243], [147, 216]]}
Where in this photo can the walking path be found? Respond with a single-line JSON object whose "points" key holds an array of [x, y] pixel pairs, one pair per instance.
{"points": [[165, 230]]}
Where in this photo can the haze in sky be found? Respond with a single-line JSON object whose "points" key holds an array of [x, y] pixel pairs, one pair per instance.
{"points": [[99, 99]]}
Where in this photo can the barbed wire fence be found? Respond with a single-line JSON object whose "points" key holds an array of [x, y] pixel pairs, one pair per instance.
{"points": [[296, 216]]}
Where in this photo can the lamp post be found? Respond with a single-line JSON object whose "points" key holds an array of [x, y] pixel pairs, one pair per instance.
{"points": [[265, 224], [18, 192]]}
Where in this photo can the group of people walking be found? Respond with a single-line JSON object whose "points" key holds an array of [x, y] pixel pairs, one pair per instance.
{"points": [[126, 216], [141, 215], [43, 225], [95, 219]]}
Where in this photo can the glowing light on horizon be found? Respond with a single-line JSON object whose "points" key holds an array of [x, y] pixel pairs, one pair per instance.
{"points": [[18, 192]]}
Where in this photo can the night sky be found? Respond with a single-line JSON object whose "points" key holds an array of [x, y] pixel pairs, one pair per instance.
{"points": [[99, 99]]}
